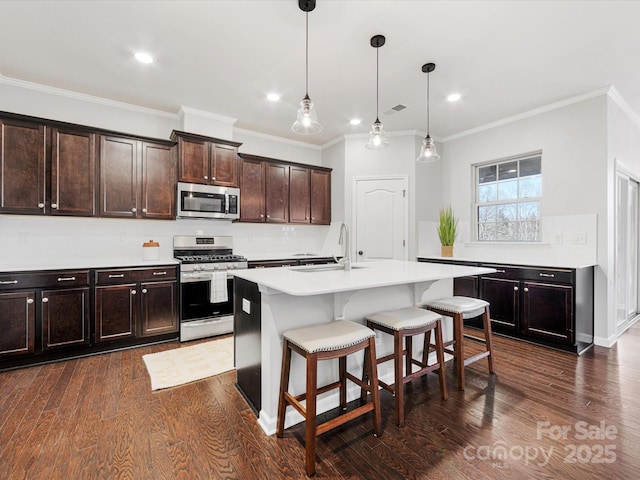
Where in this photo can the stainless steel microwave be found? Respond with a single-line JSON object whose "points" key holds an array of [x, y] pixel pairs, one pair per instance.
{"points": [[208, 201]]}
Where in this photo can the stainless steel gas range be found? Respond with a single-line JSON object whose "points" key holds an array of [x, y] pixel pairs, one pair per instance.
{"points": [[207, 264]]}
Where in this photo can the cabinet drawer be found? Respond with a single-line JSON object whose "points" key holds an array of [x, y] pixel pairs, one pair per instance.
{"points": [[127, 275], [64, 278], [502, 271], [551, 275]]}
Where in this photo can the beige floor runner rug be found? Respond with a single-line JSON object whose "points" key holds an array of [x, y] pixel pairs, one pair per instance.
{"points": [[187, 364]]}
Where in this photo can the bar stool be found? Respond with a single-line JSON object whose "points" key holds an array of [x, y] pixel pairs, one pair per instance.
{"points": [[461, 308], [324, 342], [404, 324]]}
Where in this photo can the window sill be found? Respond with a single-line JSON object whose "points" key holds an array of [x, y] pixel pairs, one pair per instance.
{"points": [[480, 244]]}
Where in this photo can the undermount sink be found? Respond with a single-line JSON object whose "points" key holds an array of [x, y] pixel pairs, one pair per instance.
{"points": [[307, 254], [323, 268]]}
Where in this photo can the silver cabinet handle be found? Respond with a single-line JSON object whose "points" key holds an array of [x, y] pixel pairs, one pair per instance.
{"points": [[144, 210], [54, 205], [526, 289], [29, 301], [41, 205], [66, 279], [9, 282], [206, 177], [133, 292], [144, 290], [515, 289], [268, 216], [45, 300], [261, 215], [500, 271], [134, 210], [117, 275], [548, 275], [213, 178], [159, 273]]}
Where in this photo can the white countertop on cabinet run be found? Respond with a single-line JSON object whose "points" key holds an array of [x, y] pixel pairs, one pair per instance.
{"points": [[22, 265], [540, 262], [308, 280]]}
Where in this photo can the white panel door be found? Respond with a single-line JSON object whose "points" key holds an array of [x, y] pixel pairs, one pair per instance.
{"points": [[381, 219]]}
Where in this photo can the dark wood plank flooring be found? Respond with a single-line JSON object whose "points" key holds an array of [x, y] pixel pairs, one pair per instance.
{"points": [[545, 415]]}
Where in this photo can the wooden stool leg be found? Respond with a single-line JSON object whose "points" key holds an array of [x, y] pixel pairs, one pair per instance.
{"points": [[342, 368], [284, 386], [486, 320], [367, 369], [459, 348], [310, 430], [408, 366], [440, 356], [399, 384], [370, 353], [426, 349]]}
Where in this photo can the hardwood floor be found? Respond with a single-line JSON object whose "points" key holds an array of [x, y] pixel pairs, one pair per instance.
{"points": [[97, 418]]}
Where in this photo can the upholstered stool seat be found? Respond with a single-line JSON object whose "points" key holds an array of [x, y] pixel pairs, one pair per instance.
{"points": [[404, 324], [324, 342], [460, 309]]}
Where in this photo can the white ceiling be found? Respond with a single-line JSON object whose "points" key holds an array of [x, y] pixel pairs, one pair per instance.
{"points": [[222, 56]]}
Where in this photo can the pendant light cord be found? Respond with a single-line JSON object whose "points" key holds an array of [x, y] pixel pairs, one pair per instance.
{"points": [[306, 84], [377, 84], [428, 99]]}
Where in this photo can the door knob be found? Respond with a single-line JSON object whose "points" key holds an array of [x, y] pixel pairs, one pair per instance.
{"points": [[360, 252]]}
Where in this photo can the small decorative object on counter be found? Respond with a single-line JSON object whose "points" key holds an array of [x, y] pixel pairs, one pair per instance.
{"points": [[447, 231], [150, 250]]}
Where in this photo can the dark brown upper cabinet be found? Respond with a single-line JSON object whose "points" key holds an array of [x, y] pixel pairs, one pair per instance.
{"points": [[73, 165], [299, 195], [22, 167], [206, 160], [252, 185], [283, 192], [320, 197], [137, 178]]}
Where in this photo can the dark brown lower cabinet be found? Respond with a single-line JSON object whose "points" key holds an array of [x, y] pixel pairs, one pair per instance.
{"points": [[547, 305], [138, 302], [17, 322], [65, 317]]}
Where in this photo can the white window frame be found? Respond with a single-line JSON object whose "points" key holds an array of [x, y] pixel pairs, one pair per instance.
{"points": [[476, 171]]}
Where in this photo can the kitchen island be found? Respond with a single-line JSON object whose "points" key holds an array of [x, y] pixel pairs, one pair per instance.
{"points": [[271, 301]]}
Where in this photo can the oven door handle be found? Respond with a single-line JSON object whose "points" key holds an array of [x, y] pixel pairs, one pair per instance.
{"points": [[206, 321]]}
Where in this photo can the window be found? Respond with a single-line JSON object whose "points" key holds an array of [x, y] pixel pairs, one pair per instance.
{"points": [[508, 199]]}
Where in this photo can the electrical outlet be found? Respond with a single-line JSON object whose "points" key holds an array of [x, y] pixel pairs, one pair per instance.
{"points": [[556, 239]]}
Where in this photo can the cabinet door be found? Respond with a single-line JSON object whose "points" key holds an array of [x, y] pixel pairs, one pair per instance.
{"points": [[299, 195], [118, 177], [17, 323], [22, 167], [320, 197], [116, 312], [277, 193], [466, 286], [503, 296], [193, 160], [252, 195], [158, 181], [224, 165], [73, 166], [65, 318], [159, 308], [547, 311]]}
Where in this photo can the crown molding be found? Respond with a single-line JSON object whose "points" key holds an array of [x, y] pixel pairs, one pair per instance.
{"points": [[274, 138], [182, 111], [14, 82], [615, 96], [531, 113]]}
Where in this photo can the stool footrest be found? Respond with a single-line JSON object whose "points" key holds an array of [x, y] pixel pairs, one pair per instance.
{"points": [[344, 418], [474, 338], [475, 358]]}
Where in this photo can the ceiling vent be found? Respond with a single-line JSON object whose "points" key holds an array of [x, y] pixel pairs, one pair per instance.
{"points": [[396, 109]]}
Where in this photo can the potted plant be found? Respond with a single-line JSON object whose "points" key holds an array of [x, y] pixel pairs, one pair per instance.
{"points": [[447, 231]]}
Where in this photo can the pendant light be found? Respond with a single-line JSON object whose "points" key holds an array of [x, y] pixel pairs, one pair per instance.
{"points": [[428, 151], [377, 138], [307, 121]]}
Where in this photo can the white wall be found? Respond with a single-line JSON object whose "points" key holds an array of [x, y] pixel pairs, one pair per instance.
{"points": [[573, 142]]}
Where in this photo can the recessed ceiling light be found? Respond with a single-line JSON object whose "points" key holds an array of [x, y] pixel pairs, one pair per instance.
{"points": [[273, 97], [454, 97], [144, 57], [355, 121]]}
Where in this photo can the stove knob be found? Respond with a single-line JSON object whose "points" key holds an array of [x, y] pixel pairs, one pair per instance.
{"points": [[216, 267], [231, 266]]}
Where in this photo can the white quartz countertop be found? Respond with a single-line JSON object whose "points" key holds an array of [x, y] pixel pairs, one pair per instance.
{"points": [[263, 257], [22, 265], [526, 263], [314, 280]]}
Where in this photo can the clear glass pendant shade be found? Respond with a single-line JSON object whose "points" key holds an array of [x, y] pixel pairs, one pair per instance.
{"points": [[377, 137], [428, 151], [307, 121]]}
